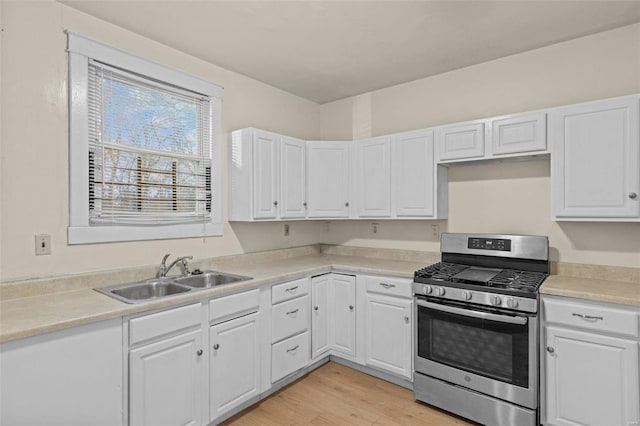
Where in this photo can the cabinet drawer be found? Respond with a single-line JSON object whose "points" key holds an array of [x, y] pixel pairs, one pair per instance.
{"points": [[229, 307], [289, 290], [607, 319], [289, 356], [289, 318], [166, 322], [390, 286]]}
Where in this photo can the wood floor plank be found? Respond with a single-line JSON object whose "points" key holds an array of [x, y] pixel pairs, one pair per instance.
{"points": [[337, 395]]}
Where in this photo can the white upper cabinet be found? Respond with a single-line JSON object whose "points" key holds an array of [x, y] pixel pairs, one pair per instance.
{"points": [[460, 141], [328, 179], [373, 166], [519, 133], [595, 160], [419, 186], [266, 176], [293, 201]]}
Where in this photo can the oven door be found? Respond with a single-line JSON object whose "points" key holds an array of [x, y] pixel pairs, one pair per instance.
{"points": [[484, 349]]}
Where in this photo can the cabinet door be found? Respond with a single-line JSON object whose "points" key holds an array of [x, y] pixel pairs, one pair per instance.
{"points": [[388, 334], [292, 178], [342, 298], [595, 160], [328, 179], [460, 141], [235, 363], [166, 382], [519, 133], [413, 174], [67, 377], [319, 315], [373, 168], [265, 175], [591, 379]]}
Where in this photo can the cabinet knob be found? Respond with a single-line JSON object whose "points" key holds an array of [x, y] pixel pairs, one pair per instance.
{"points": [[406, 319], [315, 308], [200, 352], [346, 204], [216, 347], [305, 204], [550, 349], [351, 307], [633, 195], [275, 203]]}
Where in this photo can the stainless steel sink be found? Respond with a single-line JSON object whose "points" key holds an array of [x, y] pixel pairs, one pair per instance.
{"points": [[208, 279], [144, 291]]}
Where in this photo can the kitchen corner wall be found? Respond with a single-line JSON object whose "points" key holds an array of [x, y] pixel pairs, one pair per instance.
{"points": [[501, 197], [34, 145]]}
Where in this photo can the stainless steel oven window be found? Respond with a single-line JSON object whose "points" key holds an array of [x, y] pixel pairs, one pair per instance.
{"points": [[479, 341]]}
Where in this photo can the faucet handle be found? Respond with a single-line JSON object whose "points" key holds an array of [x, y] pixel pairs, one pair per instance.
{"points": [[164, 259]]}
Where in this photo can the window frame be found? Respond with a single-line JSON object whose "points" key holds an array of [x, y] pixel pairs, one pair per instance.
{"points": [[80, 49]]}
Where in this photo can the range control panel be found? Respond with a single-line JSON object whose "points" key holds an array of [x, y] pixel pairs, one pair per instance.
{"points": [[489, 244]]}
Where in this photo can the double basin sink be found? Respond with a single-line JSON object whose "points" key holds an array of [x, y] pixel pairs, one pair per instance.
{"points": [[144, 291]]}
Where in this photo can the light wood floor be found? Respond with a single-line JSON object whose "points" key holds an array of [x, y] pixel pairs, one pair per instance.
{"points": [[338, 395]]}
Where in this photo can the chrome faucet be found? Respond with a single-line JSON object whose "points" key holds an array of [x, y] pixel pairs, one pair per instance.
{"points": [[183, 261]]}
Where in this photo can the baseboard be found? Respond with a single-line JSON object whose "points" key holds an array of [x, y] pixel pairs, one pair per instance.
{"points": [[373, 372]]}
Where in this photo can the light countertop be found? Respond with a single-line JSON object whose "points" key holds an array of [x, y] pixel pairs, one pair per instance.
{"points": [[42, 313]]}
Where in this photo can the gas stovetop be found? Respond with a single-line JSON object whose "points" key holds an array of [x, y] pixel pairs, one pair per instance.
{"points": [[487, 279], [500, 271]]}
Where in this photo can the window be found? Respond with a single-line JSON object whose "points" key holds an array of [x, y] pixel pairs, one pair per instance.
{"points": [[144, 148]]}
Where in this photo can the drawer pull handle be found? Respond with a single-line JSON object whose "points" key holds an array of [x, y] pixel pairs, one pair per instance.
{"points": [[293, 348], [292, 289], [587, 317], [385, 285], [295, 311]]}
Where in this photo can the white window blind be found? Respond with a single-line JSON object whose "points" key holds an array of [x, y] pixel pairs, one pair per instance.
{"points": [[149, 151]]}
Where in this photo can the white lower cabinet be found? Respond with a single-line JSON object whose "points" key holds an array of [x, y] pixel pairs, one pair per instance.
{"points": [[333, 314], [389, 325], [591, 374], [234, 363], [388, 334], [289, 328], [166, 381], [71, 377]]}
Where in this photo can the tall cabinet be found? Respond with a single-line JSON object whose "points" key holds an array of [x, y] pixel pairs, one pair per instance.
{"points": [[595, 160]]}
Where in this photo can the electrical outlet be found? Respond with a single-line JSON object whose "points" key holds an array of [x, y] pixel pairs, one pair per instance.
{"points": [[375, 227], [435, 230], [286, 229], [43, 244]]}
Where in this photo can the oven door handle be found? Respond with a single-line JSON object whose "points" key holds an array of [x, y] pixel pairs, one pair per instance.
{"points": [[474, 314]]}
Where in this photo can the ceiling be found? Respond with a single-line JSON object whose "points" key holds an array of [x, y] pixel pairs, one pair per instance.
{"points": [[329, 50]]}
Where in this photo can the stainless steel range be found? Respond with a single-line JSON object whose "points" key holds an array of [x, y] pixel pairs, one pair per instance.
{"points": [[476, 338]]}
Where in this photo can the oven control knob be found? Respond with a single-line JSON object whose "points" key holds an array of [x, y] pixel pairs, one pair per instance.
{"points": [[428, 289], [512, 303], [440, 291], [466, 295], [495, 300]]}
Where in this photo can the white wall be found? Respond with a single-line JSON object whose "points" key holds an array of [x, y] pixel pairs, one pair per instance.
{"points": [[34, 166], [500, 197]]}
